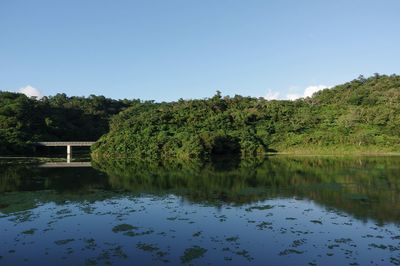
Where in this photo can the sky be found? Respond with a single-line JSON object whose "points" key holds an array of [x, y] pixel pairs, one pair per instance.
{"points": [[165, 50]]}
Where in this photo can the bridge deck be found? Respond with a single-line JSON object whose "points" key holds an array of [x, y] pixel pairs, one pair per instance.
{"points": [[66, 165], [64, 143]]}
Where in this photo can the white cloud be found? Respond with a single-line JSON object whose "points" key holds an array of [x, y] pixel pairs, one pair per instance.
{"points": [[308, 92], [31, 92], [292, 96], [272, 95]]}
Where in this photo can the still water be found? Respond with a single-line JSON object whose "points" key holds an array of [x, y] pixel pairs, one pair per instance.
{"points": [[281, 211]]}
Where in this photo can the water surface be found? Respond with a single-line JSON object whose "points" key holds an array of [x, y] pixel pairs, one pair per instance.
{"points": [[282, 211]]}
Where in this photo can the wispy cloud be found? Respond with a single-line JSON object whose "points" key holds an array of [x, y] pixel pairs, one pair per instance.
{"points": [[272, 95], [31, 92]]}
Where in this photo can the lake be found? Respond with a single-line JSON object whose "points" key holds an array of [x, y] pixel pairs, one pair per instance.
{"points": [[285, 210]]}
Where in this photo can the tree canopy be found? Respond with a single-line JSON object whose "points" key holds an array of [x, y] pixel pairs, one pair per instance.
{"points": [[24, 120], [361, 115]]}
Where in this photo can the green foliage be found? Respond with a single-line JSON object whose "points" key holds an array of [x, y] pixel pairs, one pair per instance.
{"points": [[24, 120], [360, 116], [194, 129]]}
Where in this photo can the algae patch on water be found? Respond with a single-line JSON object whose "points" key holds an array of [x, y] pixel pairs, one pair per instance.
{"points": [[147, 247], [232, 239], [123, 228], [192, 253], [29, 232], [259, 208], [197, 234], [63, 241]]}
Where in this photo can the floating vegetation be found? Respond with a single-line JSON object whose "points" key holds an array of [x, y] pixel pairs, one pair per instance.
{"points": [[123, 228], [264, 225], [147, 247], [138, 233], [290, 251], [380, 246], [119, 252], [343, 240], [331, 246], [192, 253], [105, 256], [90, 244], [297, 243], [64, 241], [63, 211], [395, 261], [197, 234], [259, 208], [29, 232], [228, 258], [245, 254], [232, 239], [155, 250]]}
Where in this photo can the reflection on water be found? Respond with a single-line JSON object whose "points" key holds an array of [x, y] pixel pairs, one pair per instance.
{"points": [[283, 211]]}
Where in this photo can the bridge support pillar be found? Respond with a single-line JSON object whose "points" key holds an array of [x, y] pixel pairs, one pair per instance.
{"points": [[69, 153]]}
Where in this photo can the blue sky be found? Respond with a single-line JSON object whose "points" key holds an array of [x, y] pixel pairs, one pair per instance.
{"points": [[171, 49]]}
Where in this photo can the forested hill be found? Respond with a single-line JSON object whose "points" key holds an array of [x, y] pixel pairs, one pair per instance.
{"points": [[359, 116], [24, 120]]}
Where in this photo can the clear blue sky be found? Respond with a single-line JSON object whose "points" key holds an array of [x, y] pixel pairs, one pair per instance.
{"points": [[171, 49]]}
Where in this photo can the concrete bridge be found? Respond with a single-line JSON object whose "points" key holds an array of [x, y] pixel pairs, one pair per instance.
{"points": [[66, 165], [68, 144]]}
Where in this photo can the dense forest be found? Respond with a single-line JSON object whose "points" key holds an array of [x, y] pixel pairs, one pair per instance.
{"points": [[359, 116], [24, 120]]}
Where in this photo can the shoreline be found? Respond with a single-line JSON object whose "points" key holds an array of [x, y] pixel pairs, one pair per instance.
{"points": [[301, 153], [283, 153]]}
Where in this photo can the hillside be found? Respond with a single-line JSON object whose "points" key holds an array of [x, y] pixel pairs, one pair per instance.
{"points": [[359, 116], [24, 120]]}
